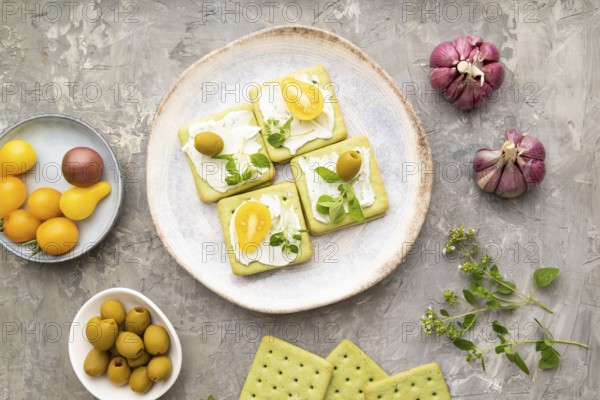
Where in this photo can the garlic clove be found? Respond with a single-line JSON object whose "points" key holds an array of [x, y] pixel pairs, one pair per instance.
{"points": [[481, 94], [485, 158], [488, 178], [494, 74], [463, 47], [444, 55], [488, 52], [533, 170], [475, 40], [532, 148], [455, 88], [512, 182], [513, 134], [442, 77], [473, 95]]}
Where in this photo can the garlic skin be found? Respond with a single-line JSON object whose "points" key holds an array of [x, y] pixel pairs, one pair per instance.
{"points": [[517, 167], [466, 71]]}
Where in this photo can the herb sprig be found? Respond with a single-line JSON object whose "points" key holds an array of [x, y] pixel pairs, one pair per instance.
{"points": [[281, 239], [257, 160], [334, 206], [276, 133], [489, 286]]}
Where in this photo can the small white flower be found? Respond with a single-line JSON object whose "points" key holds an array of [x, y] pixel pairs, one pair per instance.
{"points": [[460, 267], [444, 251], [452, 248]]}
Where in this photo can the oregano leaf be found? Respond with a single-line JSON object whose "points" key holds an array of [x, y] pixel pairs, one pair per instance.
{"points": [[544, 276]]}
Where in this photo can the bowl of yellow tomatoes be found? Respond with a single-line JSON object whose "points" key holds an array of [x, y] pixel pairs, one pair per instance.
{"points": [[61, 188]]}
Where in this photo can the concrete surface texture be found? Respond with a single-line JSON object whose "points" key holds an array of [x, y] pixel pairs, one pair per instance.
{"points": [[112, 68]]}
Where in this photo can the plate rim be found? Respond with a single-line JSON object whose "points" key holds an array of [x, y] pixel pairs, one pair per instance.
{"points": [[422, 146], [71, 255]]}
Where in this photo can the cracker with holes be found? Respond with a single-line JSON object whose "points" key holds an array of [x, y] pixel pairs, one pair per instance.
{"points": [[421, 383], [340, 185], [282, 371], [264, 229], [352, 371], [298, 113], [226, 153]]}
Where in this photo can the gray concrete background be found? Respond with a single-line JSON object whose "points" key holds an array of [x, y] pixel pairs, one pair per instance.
{"points": [[133, 53]]}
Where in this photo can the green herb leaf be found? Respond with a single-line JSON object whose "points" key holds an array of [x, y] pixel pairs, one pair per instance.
{"points": [[276, 239], [468, 322], [288, 124], [495, 273], [551, 361], [260, 160], [355, 210], [444, 313], [499, 349], [231, 167], [324, 199], [544, 276], [520, 363], [293, 248], [276, 140], [469, 297], [223, 157], [233, 179], [493, 304], [546, 330], [297, 236], [328, 175], [507, 288], [499, 328], [247, 174], [464, 344]]}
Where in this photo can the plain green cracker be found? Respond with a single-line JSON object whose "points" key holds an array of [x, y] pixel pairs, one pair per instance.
{"points": [[352, 371], [377, 210], [226, 207], [282, 371], [421, 383], [339, 129], [206, 193]]}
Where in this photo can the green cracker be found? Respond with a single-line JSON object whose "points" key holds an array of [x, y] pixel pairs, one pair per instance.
{"points": [[352, 371], [289, 195], [282, 371], [376, 210], [206, 193], [421, 383], [339, 132]]}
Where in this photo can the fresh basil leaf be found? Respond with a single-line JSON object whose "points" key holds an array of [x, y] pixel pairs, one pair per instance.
{"points": [[470, 298], [355, 210], [506, 288], [499, 328], [544, 276], [260, 160], [276, 140], [328, 175], [520, 363], [233, 179], [323, 199], [464, 344]]}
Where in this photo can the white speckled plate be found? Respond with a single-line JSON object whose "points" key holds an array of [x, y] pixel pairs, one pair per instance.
{"points": [[51, 136], [345, 262]]}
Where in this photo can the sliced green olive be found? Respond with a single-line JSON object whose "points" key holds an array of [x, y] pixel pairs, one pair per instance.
{"points": [[348, 164], [208, 143]]}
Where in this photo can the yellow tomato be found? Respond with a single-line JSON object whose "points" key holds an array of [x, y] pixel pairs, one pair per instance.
{"points": [[13, 193], [303, 100], [57, 236], [44, 203], [20, 226], [252, 223], [16, 157]]}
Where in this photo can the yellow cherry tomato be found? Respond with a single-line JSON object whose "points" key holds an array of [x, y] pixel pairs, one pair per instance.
{"points": [[252, 223], [13, 193], [43, 203], [303, 100], [80, 202], [57, 236], [16, 157], [20, 226]]}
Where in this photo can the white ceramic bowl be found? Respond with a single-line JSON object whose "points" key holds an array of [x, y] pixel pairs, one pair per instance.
{"points": [[79, 346]]}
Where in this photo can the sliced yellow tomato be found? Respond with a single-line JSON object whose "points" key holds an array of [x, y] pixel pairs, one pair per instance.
{"points": [[252, 223], [304, 100]]}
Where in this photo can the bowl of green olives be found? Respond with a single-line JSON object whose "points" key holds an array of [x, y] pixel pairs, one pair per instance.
{"points": [[122, 346]]}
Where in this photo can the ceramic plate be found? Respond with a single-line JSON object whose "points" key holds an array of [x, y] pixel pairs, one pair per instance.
{"points": [[51, 137], [346, 262], [79, 346]]}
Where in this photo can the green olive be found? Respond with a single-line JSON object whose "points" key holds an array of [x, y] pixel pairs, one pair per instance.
{"points": [[139, 381], [96, 362], [159, 368], [130, 345], [137, 320], [156, 340], [113, 350], [113, 309], [107, 334], [118, 371], [92, 328], [208, 143], [348, 164], [140, 361]]}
